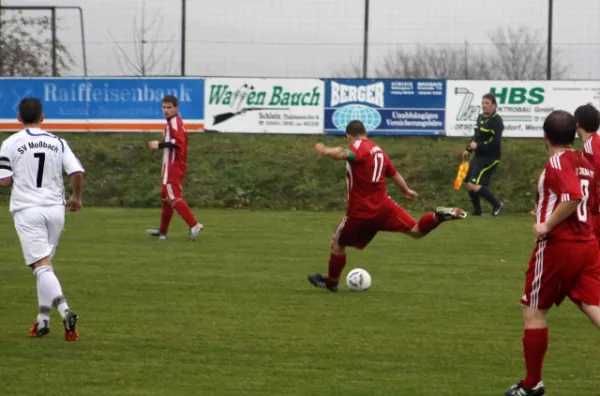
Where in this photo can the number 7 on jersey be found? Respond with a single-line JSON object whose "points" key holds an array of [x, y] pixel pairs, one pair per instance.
{"points": [[40, 172], [378, 168]]}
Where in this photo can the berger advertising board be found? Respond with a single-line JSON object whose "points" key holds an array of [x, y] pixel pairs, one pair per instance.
{"points": [[103, 104], [386, 107], [523, 105], [264, 105]]}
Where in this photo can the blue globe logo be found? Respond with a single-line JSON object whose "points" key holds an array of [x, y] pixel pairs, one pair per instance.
{"points": [[369, 116]]}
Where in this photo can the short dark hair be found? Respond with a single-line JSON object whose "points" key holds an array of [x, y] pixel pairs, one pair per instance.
{"points": [[30, 110], [491, 98], [560, 128], [171, 99], [356, 129], [588, 117]]}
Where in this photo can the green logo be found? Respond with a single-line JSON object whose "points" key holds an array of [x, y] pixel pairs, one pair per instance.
{"points": [[518, 95], [246, 95]]}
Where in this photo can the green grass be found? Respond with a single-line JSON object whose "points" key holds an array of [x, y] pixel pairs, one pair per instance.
{"points": [[232, 313], [266, 171]]}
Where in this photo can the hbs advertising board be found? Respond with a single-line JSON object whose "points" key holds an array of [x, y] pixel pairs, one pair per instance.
{"points": [[386, 107], [103, 104]]}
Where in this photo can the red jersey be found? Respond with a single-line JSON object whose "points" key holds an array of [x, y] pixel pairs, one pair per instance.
{"points": [[567, 176], [591, 151], [175, 159], [366, 170]]}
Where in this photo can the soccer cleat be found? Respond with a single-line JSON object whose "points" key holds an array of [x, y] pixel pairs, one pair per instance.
{"points": [[194, 231], [156, 233], [498, 210], [39, 329], [70, 323], [520, 390], [445, 213], [321, 281]]}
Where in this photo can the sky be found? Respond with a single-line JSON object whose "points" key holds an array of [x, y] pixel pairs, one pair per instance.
{"points": [[311, 38]]}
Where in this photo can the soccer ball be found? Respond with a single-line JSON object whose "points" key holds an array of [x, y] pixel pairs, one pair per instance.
{"points": [[358, 280]]}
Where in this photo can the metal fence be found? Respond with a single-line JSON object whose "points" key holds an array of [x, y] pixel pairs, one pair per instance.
{"points": [[473, 39]]}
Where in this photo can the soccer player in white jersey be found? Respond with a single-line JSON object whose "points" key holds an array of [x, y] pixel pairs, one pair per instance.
{"points": [[32, 161]]}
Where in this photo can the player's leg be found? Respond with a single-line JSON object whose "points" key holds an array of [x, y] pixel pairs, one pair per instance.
{"points": [[34, 226], [395, 219], [430, 221], [542, 290], [471, 177], [165, 216], [593, 312], [535, 345], [586, 291], [480, 185], [55, 220], [181, 207], [350, 232]]}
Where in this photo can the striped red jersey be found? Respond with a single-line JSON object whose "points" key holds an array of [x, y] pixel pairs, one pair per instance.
{"points": [[591, 151], [567, 176], [366, 169], [175, 159]]}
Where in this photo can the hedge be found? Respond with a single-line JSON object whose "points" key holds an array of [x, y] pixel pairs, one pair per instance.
{"points": [[263, 171]]}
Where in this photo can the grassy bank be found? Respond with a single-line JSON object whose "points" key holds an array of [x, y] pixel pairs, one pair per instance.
{"points": [[277, 171]]}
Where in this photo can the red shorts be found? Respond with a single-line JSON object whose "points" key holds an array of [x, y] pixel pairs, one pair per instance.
{"points": [[558, 269], [171, 192], [358, 233]]}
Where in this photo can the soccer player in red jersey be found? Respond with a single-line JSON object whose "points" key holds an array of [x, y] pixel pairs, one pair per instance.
{"points": [[588, 123], [566, 258], [174, 146], [370, 209]]}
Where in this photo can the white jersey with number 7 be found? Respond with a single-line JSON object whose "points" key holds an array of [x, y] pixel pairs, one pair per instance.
{"points": [[36, 160]]}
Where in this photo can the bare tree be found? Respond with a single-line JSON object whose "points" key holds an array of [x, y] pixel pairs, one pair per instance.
{"points": [[352, 70], [425, 62], [514, 53], [521, 55], [26, 46], [157, 59]]}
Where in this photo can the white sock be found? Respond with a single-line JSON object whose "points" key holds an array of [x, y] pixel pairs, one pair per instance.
{"points": [[49, 292]]}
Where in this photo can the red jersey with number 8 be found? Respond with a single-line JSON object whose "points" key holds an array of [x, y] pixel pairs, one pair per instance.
{"points": [[567, 176], [591, 151], [365, 179]]}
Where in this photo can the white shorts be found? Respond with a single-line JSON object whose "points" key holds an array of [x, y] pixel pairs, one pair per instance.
{"points": [[39, 230]]}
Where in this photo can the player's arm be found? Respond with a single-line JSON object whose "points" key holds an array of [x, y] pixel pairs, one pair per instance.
{"points": [[493, 132], [177, 138], [6, 171], [567, 187], [337, 153], [470, 146], [392, 173], [400, 182], [562, 212], [72, 167], [77, 187]]}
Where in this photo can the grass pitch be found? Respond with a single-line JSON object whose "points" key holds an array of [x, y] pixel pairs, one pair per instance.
{"points": [[233, 314]]}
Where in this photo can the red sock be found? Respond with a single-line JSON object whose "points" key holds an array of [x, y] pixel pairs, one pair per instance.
{"points": [[184, 211], [336, 265], [165, 217], [535, 345], [428, 223]]}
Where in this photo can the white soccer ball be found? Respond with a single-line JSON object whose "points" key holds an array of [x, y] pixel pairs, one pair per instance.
{"points": [[358, 280]]}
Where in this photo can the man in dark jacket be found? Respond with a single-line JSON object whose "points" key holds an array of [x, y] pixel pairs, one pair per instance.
{"points": [[485, 144]]}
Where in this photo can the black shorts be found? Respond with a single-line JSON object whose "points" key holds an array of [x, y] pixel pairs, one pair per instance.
{"points": [[481, 171]]}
